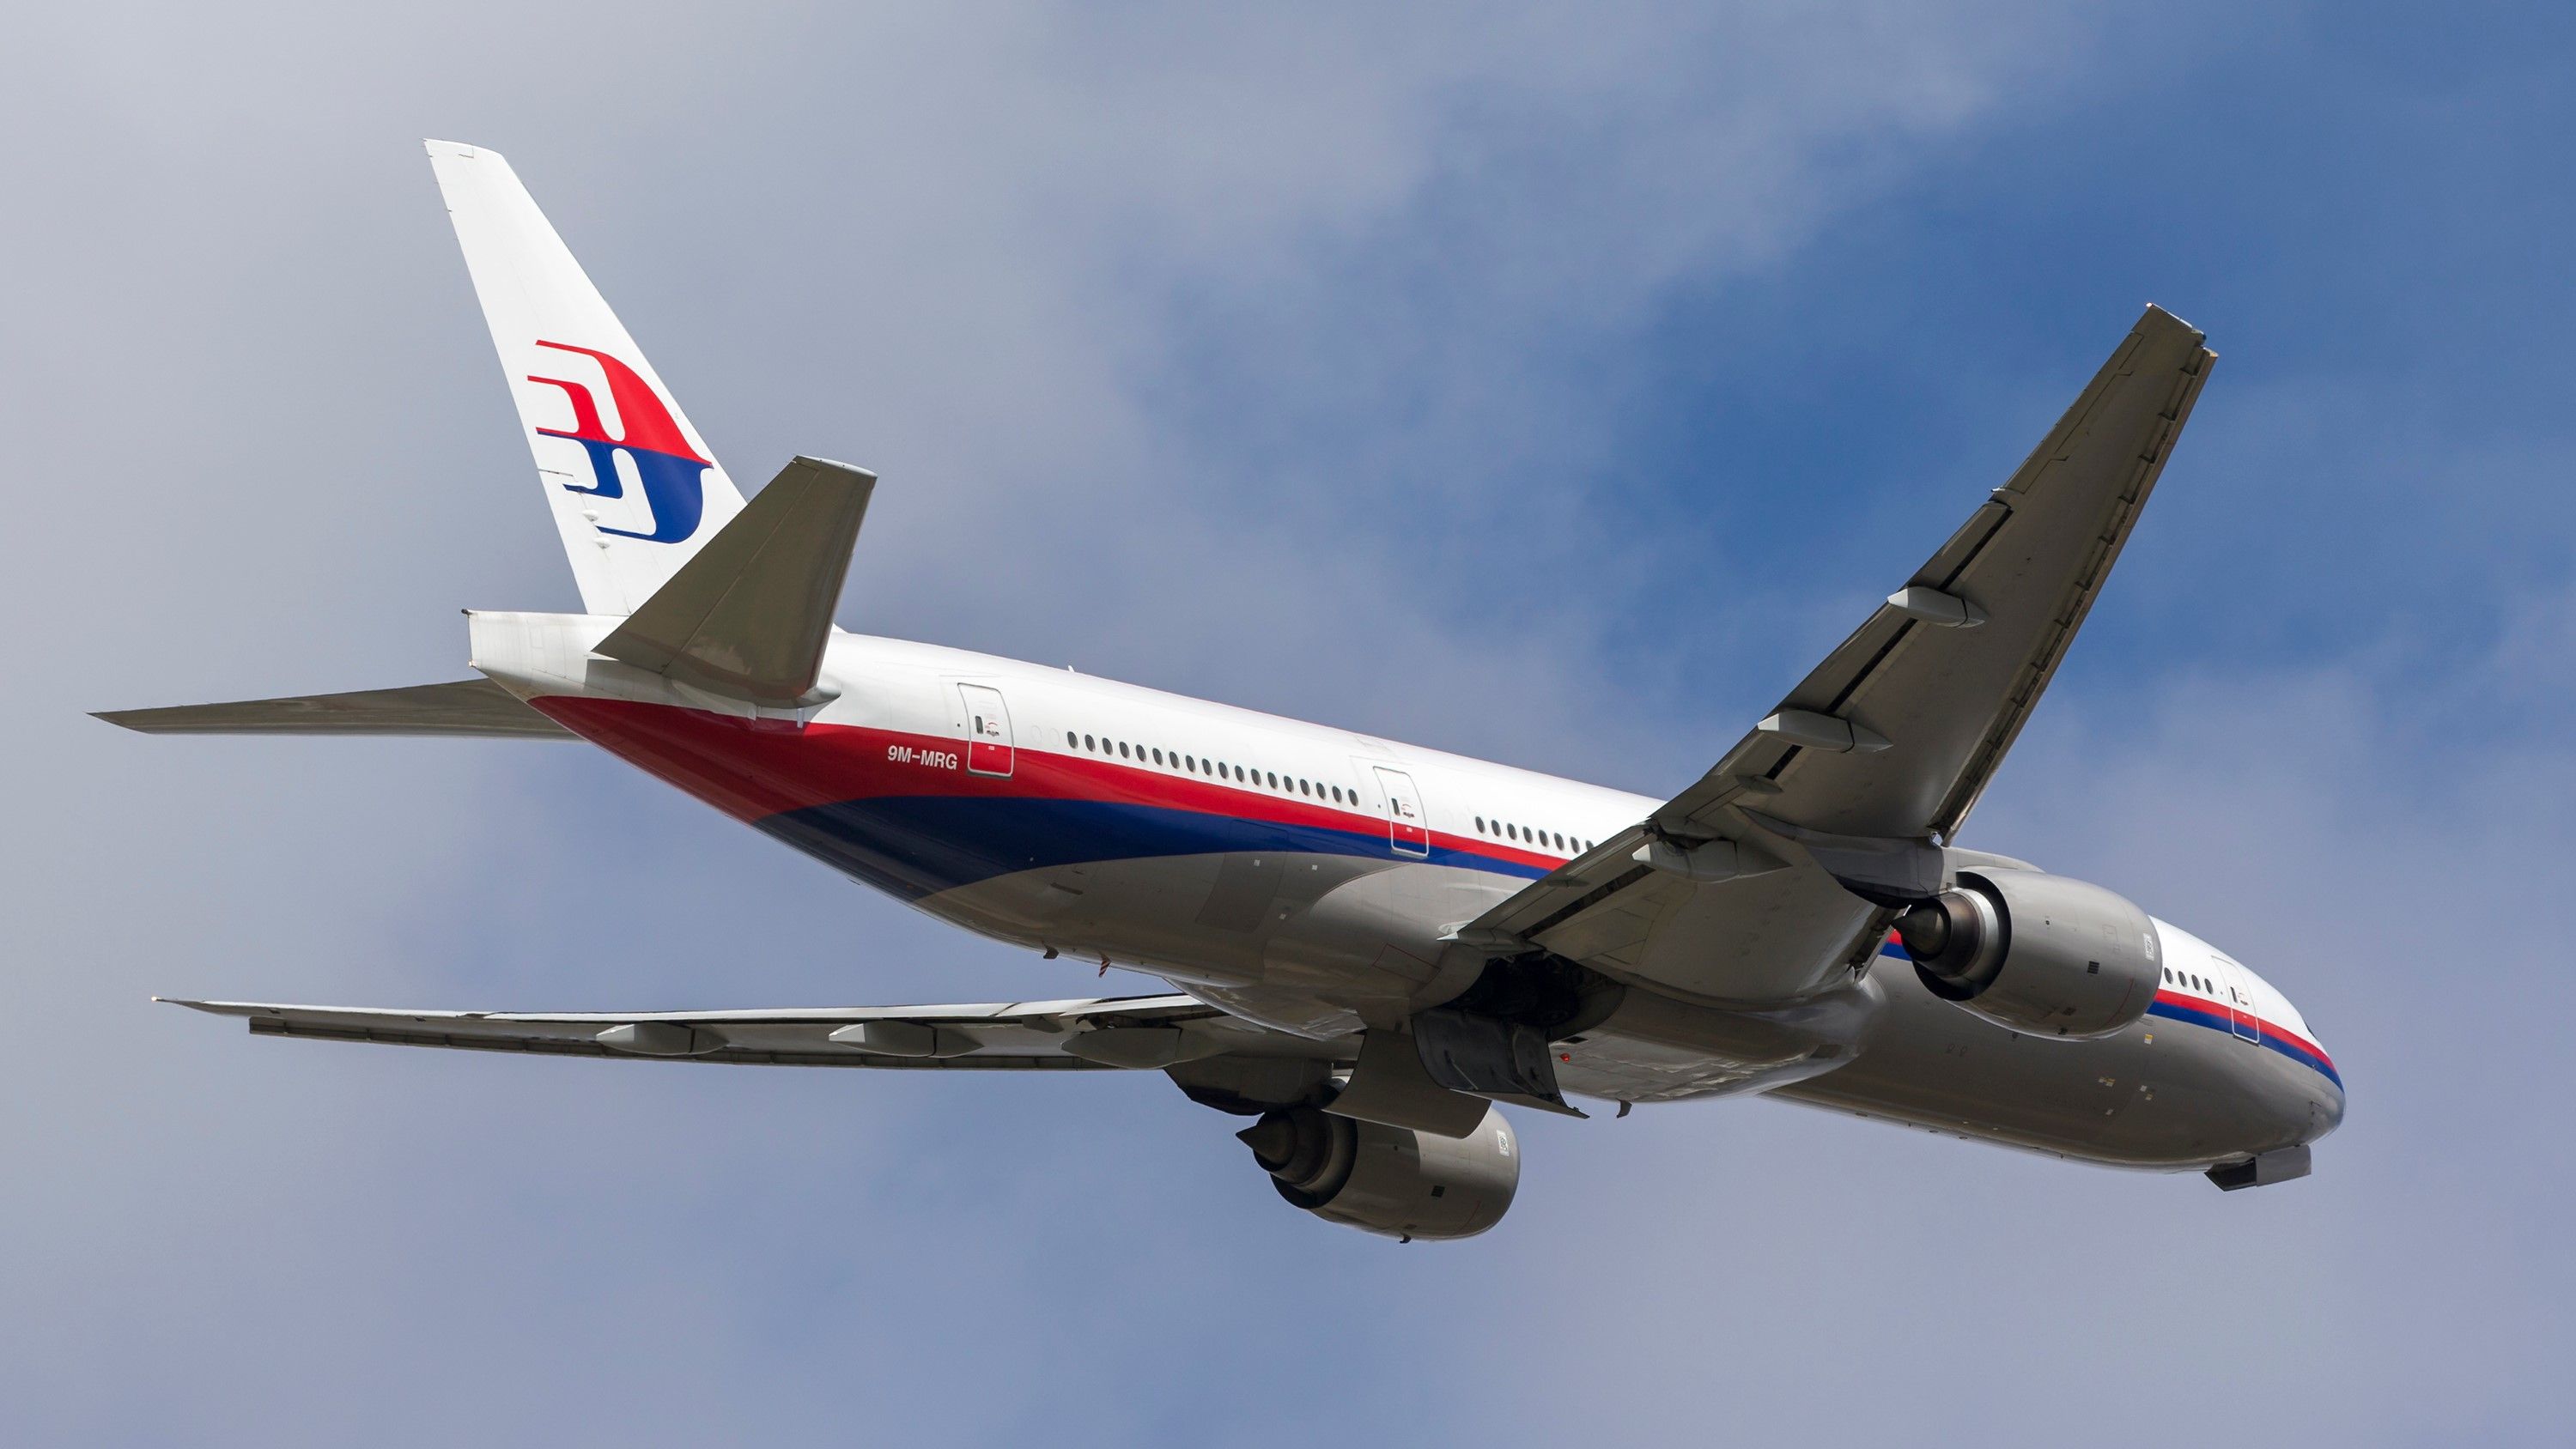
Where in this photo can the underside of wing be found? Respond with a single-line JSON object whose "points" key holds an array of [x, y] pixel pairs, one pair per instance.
{"points": [[473, 707], [1774, 872], [1113, 1033], [1898, 731]]}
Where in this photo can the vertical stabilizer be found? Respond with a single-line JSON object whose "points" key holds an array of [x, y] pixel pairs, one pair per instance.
{"points": [[633, 487]]}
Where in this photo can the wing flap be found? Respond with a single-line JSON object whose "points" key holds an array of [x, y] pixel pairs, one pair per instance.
{"points": [[468, 707]]}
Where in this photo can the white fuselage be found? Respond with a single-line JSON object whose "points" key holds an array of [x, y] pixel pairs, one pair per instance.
{"points": [[1310, 878]]}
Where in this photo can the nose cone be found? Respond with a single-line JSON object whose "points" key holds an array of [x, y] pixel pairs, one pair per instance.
{"points": [[2325, 1107]]}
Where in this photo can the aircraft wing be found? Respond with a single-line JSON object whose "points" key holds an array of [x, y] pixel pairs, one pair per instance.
{"points": [[1131, 1033], [1767, 878]]}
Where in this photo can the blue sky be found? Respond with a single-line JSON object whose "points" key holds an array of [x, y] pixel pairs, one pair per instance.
{"points": [[1553, 385]]}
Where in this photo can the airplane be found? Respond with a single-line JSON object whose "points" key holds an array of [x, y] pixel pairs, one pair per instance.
{"points": [[1372, 946]]}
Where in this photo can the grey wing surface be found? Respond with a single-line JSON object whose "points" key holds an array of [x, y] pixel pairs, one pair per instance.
{"points": [[1110, 1033], [1768, 879]]}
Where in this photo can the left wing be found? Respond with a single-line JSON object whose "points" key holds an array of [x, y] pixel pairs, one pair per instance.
{"points": [[1134, 1033]]}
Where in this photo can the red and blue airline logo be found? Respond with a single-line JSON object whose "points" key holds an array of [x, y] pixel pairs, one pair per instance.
{"points": [[670, 472]]}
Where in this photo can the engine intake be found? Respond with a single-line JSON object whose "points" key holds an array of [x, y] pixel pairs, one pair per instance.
{"points": [[2043, 954], [1389, 1180]]}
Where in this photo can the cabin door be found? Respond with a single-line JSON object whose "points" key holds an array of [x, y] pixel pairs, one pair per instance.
{"points": [[2240, 1002], [1407, 829], [989, 749]]}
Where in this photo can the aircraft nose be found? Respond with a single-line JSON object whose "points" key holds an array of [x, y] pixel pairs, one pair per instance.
{"points": [[2325, 1108]]}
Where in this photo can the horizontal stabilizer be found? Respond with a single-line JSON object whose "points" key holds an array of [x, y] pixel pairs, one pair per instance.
{"points": [[466, 707], [748, 617]]}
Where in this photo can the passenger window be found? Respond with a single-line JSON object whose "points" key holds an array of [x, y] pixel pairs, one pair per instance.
{"points": [[1122, 749], [1070, 740], [1158, 757], [1088, 743]]}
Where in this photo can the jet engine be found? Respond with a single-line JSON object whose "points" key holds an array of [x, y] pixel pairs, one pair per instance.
{"points": [[1389, 1180], [2038, 953]]}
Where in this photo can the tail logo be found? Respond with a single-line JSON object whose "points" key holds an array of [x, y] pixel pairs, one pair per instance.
{"points": [[670, 472]]}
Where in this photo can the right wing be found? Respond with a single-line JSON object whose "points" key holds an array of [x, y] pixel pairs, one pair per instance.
{"points": [[475, 707], [1769, 877], [1134, 1033]]}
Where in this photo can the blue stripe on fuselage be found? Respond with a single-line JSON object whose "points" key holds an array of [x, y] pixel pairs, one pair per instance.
{"points": [[2217, 1020], [914, 846], [2212, 1018]]}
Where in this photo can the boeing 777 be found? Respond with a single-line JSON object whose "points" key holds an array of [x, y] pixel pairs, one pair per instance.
{"points": [[1370, 944]]}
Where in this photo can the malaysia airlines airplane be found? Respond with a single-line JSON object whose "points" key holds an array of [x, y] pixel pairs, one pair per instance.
{"points": [[1371, 944]]}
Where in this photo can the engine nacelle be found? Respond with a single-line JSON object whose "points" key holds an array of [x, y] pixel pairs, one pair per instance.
{"points": [[1389, 1180], [2041, 954]]}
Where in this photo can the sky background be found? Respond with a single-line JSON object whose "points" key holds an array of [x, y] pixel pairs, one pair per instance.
{"points": [[1549, 384]]}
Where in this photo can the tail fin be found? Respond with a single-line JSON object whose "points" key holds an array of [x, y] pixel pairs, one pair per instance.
{"points": [[633, 488]]}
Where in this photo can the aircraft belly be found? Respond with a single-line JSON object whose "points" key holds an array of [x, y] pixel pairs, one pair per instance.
{"points": [[2160, 1094], [1324, 938]]}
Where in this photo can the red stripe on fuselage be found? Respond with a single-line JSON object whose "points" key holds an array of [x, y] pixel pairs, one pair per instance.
{"points": [[2221, 1009], [753, 769], [2201, 1004]]}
